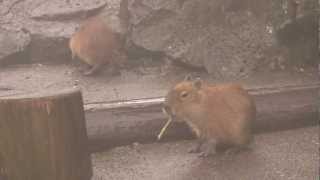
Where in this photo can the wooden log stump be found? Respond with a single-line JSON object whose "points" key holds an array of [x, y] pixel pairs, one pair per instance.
{"points": [[43, 137]]}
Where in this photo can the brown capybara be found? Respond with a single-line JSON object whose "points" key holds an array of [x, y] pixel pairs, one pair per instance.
{"points": [[220, 115], [96, 44]]}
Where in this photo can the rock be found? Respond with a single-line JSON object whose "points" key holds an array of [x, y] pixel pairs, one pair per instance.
{"points": [[12, 42], [299, 36], [50, 41], [50, 31], [69, 9], [227, 38], [48, 25], [111, 16], [48, 48]]}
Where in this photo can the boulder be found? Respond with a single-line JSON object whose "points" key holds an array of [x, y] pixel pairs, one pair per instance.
{"points": [[53, 24], [227, 38], [55, 10], [47, 26], [12, 42]]}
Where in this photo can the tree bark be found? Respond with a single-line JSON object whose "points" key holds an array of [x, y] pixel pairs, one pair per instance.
{"points": [[43, 137]]}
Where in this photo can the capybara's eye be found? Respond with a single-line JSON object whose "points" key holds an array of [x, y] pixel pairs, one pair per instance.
{"points": [[184, 94]]}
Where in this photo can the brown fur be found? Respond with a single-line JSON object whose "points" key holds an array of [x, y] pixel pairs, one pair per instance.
{"points": [[95, 44], [220, 113]]}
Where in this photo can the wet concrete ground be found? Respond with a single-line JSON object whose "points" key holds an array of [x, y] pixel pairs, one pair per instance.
{"points": [[285, 155], [136, 83]]}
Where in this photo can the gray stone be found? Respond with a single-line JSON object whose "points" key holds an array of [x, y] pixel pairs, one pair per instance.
{"points": [[12, 42], [50, 31], [69, 9], [227, 38], [48, 25], [111, 16]]}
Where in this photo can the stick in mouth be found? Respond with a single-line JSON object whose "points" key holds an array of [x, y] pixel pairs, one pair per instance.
{"points": [[164, 128], [166, 125]]}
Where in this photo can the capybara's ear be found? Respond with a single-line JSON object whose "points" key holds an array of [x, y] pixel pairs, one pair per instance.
{"points": [[188, 77], [197, 83]]}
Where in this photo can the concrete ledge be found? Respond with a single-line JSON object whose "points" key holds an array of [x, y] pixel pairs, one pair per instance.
{"points": [[119, 123], [285, 155]]}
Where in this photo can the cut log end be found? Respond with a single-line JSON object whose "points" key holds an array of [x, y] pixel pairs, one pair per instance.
{"points": [[43, 136]]}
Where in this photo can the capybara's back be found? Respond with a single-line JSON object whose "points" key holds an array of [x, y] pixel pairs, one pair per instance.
{"points": [[95, 43], [230, 114]]}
